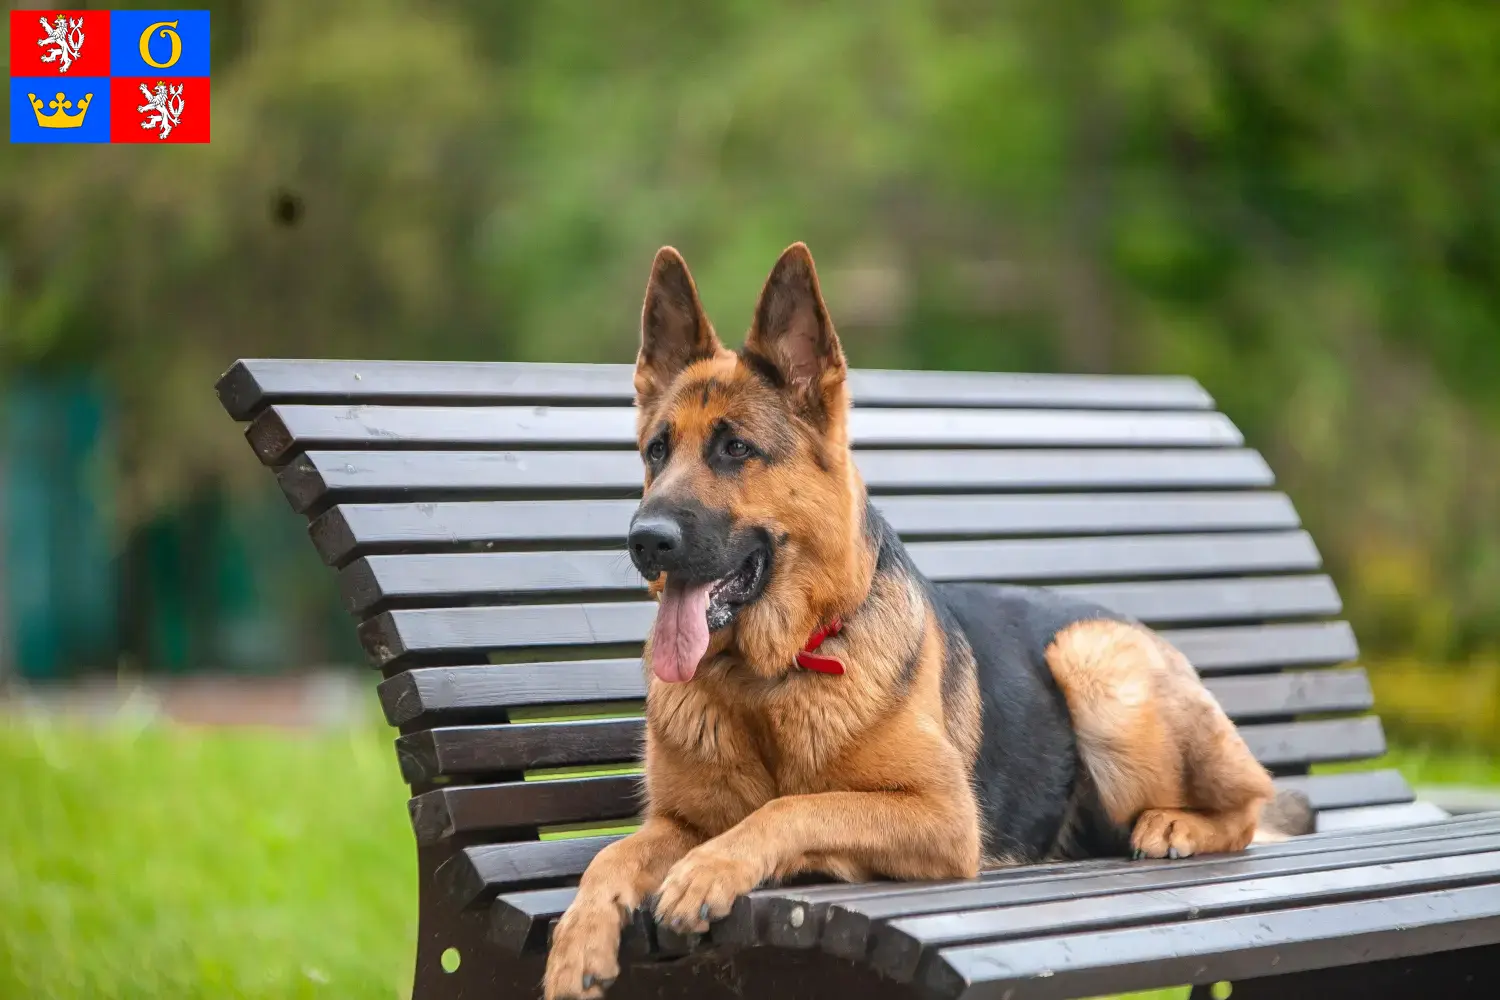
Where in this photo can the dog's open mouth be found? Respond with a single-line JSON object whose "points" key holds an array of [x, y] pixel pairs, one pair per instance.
{"points": [[728, 594], [690, 612]]}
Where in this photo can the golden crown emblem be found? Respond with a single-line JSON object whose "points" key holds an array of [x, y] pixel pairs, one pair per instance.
{"points": [[60, 117]]}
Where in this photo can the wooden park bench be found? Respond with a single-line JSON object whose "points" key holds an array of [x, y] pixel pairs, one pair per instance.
{"points": [[476, 514]]}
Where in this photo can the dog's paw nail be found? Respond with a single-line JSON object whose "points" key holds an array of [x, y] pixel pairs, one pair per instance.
{"points": [[588, 980], [605, 984], [1137, 854], [1172, 853], [703, 911]]}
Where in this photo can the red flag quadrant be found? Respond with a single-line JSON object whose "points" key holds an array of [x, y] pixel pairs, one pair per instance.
{"points": [[159, 109], [60, 43]]}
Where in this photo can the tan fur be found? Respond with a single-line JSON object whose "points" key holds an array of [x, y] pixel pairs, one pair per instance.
{"points": [[1163, 756], [757, 770]]}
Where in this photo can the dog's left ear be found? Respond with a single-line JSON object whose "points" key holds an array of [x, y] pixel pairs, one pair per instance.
{"points": [[675, 332], [793, 336]]}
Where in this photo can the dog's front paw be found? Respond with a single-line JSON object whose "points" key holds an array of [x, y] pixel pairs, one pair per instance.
{"points": [[585, 955], [701, 888], [1168, 833]]}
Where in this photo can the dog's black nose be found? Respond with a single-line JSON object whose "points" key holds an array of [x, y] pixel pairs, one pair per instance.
{"points": [[655, 544]]}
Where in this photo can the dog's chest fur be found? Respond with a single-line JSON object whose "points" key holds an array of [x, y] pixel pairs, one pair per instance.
{"points": [[748, 742]]}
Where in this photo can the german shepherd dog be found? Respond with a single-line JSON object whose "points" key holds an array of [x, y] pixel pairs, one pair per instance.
{"points": [[816, 705]]}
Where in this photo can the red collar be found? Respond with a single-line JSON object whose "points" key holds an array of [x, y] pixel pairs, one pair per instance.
{"points": [[808, 658]]}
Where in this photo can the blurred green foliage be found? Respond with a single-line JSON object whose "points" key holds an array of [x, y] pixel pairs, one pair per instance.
{"points": [[1301, 207]]}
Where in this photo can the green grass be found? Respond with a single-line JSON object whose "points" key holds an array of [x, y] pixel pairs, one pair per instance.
{"points": [[164, 863]]}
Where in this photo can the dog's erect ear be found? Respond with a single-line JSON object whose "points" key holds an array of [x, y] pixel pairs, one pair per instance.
{"points": [[793, 334], [675, 332]]}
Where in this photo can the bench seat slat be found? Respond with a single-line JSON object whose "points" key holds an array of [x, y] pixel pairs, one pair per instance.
{"points": [[464, 809], [1227, 948], [438, 694], [487, 749], [252, 384], [458, 578], [401, 636], [1364, 876], [843, 917], [350, 530], [284, 430], [895, 927], [316, 479]]}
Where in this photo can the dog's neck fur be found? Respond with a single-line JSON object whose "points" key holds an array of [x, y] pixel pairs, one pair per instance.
{"points": [[730, 701]]}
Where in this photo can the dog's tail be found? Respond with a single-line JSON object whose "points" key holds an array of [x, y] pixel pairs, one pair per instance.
{"points": [[1288, 814]]}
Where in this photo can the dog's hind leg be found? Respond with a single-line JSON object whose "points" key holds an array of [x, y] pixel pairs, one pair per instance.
{"points": [[1166, 761]]}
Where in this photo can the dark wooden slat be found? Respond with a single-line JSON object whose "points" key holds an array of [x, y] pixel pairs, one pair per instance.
{"points": [[1228, 948], [1192, 601], [1354, 788], [316, 476], [481, 749], [843, 918], [446, 812], [319, 478], [517, 746], [487, 749], [285, 429], [882, 925], [520, 921], [251, 384], [1268, 695], [475, 874], [453, 577], [446, 693], [1378, 817], [852, 910], [405, 635], [1203, 902], [439, 693], [1323, 741], [350, 530], [1264, 646]]}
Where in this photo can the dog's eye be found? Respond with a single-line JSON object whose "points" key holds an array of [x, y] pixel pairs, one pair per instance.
{"points": [[656, 450], [735, 448]]}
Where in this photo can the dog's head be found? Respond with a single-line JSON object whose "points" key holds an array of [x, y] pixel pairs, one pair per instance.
{"points": [[748, 530]]}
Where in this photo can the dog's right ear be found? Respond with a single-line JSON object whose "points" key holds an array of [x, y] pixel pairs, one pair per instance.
{"points": [[675, 331]]}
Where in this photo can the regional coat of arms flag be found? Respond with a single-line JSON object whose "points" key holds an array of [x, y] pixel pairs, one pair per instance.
{"points": [[109, 76]]}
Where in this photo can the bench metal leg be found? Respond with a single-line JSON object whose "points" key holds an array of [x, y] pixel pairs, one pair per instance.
{"points": [[1462, 974]]}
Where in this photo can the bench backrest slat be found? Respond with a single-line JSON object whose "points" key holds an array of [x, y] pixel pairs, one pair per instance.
{"points": [[470, 751], [351, 530], [315, 479], [457, 578], [281, 431], [251, 385], [416, 634]]}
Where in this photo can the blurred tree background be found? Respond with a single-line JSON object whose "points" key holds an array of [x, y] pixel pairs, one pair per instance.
{"points": [[1298, 206]]}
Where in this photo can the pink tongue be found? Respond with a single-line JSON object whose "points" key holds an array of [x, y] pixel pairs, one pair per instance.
{"points": [[680, 636]]}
